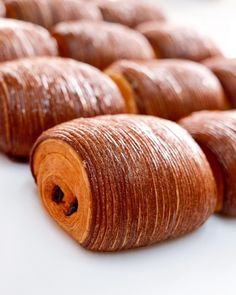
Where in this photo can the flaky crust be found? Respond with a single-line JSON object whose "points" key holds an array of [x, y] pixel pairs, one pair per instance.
{"points": [[100, 43], [20, 39], [225, 70], [217, 132], [129, 13], [36, 94], [136, 180], [171, 41], [49, 12], [170, 89]]}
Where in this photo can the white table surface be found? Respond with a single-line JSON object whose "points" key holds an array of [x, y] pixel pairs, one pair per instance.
{"points": [[38, 258]]}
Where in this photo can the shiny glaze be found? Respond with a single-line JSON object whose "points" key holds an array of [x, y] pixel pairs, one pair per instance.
{"points": [[170, 89], [129, 13], [100, 43], [148, 180], [38, 93], [225, 71], [171, 41], [21, 39], [217, 132], [49, 12]]}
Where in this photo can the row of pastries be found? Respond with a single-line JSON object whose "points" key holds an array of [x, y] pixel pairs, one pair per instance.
{"points": [[99, 95]]}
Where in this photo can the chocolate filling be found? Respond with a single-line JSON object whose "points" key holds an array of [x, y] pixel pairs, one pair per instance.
{"points": [[57, 195], [73, 207]]}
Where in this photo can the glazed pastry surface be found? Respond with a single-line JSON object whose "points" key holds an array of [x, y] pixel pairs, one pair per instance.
{"points": [[216, 131], [100, 43], [129, 13], [38, 93], [50, 12], [123, 181], [225, 71], [170, 89], [171, 41], [21, 39]]}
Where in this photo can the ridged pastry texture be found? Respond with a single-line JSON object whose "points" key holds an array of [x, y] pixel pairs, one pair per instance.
{"points": [[38, 93], [171, 41], [123, 181], [49, 12], [100, 43], [170, 89], [216, 133], [20, 39], [130, 13], [225, 70]]}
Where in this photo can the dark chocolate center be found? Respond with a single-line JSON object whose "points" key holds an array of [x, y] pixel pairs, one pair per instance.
{"points": [[73, 207], [57, 195]]}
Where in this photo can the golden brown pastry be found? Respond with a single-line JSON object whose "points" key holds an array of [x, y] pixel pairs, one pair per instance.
{"points": [[123, 181], [101, 43], [20, 39], [170, 89], [49, 12], [129, 13], [38, 93], [225, 70], [171, 41], [216, 134]]}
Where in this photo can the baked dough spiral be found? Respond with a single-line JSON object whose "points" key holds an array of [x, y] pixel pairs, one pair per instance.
{"points": [[50, 12], [225, 71], [173, 41], [123, 181], [129, 13], [38, 93], [21, 39], [216, 134], [170, 89], [100, 43]]}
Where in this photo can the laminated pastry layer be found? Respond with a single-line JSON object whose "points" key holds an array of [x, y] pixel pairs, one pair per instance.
{"points": [[171, 41], [21, 39], [216, 134], [170, 89], [38, 93], [123, 181], [130, 13], [100, 43], [50, 12], [225, 71]]}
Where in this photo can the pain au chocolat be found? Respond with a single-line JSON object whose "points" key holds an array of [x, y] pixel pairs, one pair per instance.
{"points": [[21, 39], [38, 93], [49, 12], [225, 70], [123, 181], [100, 43], [216, 134], [130, 13], [170, 89], [171, 41]]}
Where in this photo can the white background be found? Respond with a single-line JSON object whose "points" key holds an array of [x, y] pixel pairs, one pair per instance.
{"points": [[37, 258]]}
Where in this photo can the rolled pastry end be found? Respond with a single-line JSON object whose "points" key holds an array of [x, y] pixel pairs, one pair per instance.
{"points": [[64, 186], [126, 91]]}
